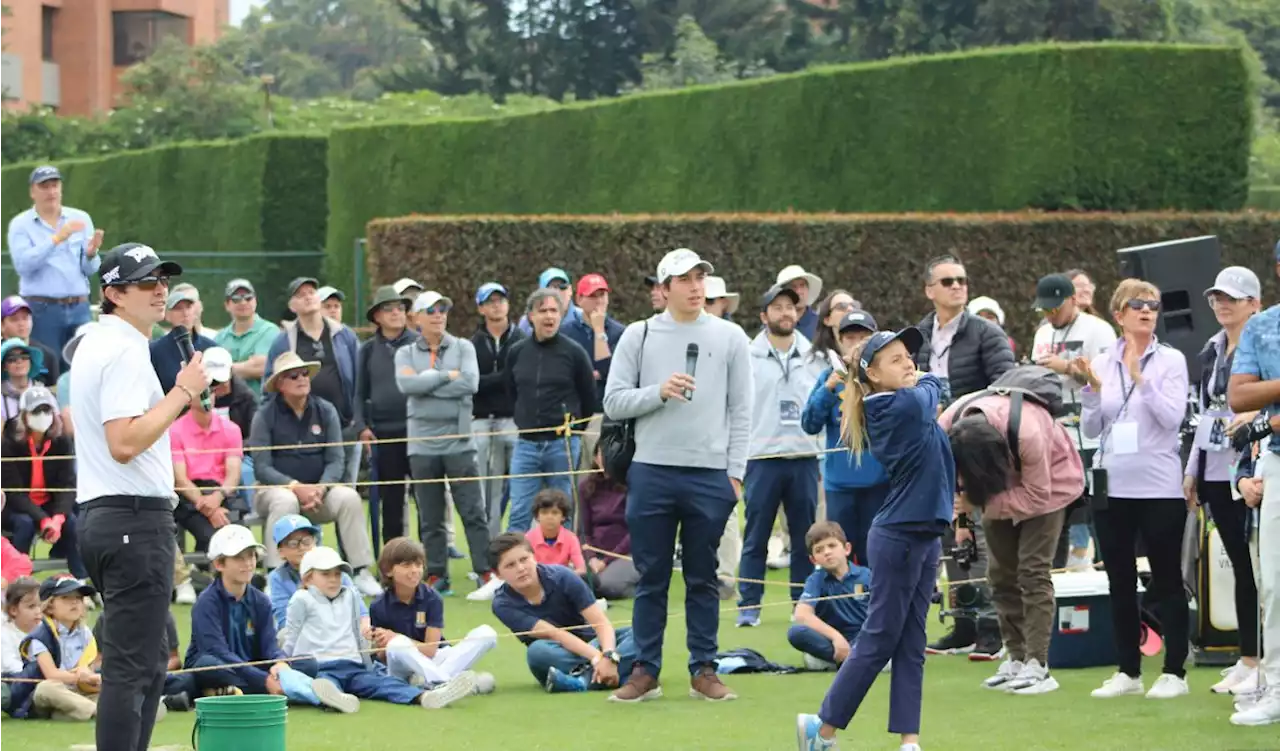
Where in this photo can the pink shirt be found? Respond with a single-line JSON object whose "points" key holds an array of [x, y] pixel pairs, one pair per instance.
{"points": [[1052, 475], [565, 551], [205, 452]]}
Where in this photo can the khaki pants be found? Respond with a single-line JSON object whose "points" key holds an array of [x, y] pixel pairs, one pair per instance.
{"points": [[729, 555], [57, 700], [590, 439], [181, 571], [341, 504], [1019, 564]]}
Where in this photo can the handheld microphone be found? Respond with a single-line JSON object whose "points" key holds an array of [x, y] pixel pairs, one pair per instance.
{"points": [[183, 337], [690, 366]]}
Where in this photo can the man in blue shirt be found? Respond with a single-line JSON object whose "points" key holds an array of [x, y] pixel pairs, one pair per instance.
{"points": [[572, 646], [55, 251]]}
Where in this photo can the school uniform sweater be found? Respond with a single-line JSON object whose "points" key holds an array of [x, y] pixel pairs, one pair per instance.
{"points": [[904, 435]]}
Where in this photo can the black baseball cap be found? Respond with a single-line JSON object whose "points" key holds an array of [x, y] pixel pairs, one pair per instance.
{"points": [[1052, 291], [299, 282], [65, 584], [858, 319], [774, 292], [133, 262]]}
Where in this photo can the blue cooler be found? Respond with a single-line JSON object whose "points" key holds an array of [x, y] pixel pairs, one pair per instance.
{"points": [[1082, 635]]}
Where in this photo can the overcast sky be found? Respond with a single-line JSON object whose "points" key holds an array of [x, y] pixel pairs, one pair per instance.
{"points": [[240, 9]]}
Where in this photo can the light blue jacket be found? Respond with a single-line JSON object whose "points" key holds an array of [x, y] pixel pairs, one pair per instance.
{"points": [[840, 469], [782, 382]]}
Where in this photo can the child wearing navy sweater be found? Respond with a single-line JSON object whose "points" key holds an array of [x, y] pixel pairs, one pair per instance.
{"points": [[892, 410]]}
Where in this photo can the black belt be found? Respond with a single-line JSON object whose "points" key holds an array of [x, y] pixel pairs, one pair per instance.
{"points": [[133, 502], [72, 300]]}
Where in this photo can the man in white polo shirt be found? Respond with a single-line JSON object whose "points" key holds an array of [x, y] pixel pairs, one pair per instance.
{"points": [[124, 487]]}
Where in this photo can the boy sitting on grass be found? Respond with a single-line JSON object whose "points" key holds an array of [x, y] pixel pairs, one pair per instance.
{"points": [[553, 544], [571, 645], [324, 622], [231, 624], [295, 534], [61, 651], [825, 630], [408, 622]]}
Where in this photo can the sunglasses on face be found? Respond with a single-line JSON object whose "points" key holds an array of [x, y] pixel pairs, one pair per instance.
{"points": [[17, 357], [1136, 304], [436, 310], [295, 375], [241, 298], [953, 281], [557, 284], [146, 283]]}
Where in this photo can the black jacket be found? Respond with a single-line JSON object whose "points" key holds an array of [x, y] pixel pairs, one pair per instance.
{"points": [[980, 353], [379, 404], [492, 398], [546, 379], [241, 405], [58, 472]]}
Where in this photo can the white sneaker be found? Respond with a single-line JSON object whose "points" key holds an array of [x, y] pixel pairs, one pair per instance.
{"points": [[1251, 683], [446, 693], [1032, 680], [603, 603], [1168, 687], [1265, 711], [1079, 564], [777, 556], [909, 747], [817, 664], [888, 667], [1234, 676], [1119, 684], [1249, 700], [1008, 670], [185, 594], [486, 593], [368, 586]]}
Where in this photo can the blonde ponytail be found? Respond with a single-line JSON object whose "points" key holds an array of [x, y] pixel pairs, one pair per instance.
{"points": [[852, 427]]}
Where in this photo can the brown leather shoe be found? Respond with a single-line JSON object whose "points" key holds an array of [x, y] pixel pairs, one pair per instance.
{"points": [[706, 685], [640, 687]]}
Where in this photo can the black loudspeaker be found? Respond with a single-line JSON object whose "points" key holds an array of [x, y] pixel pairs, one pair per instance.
{"points": [[1182, 270]]}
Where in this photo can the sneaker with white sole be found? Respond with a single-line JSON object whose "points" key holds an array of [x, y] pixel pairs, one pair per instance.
{"points": [[1249, 700], [1168, 686], [1251, 683], [333, 697], [817, 664], [446, 693], [366, 584], [1233, 676], [807, 738], [486, 591], [1008, 670], [1264, 711], [1119, 684], [185, 594], [1033, 679]]}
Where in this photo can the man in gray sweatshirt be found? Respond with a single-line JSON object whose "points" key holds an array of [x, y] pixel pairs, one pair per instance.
{"points": [[692, 439], [439, 375]]}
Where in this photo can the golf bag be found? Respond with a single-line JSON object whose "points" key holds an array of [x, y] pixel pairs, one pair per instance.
{"points": [[1210, 583]]}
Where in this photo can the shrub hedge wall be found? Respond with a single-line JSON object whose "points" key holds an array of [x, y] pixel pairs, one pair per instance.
{"points": [[260, 194], [1099, 127], [880, 259]]}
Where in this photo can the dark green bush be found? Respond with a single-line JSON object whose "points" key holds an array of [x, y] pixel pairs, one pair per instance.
{"points": [[879, 258]]}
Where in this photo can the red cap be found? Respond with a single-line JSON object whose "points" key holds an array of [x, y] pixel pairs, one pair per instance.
{"points": [[591, 284]]}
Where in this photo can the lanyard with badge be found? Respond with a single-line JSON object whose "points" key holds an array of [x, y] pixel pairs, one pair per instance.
{"points": [[1211, 432], [788, 409], [1123, 437]]}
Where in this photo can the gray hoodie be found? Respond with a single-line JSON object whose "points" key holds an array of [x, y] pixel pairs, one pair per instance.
{"points": [[327, 629], [782, 381], [713, 431], [438, 406]]}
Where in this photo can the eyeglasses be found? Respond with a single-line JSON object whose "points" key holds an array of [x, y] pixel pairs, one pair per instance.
{"points": [[842, 306], [1136, 304], [1220, 298], [294, 375], [390, 307], [17, 357], [241, 298], [302, 543], [557, 284], [954, 281]]}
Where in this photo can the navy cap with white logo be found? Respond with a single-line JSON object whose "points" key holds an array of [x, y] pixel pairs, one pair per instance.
{"points": [[910, 336], [858, 319], [65, 584], [44, 173]]}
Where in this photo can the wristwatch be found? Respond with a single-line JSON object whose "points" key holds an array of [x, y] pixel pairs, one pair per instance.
{"points": [[612, 654], [602, 336]]}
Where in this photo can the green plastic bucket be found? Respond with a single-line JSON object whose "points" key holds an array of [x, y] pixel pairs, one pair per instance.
{"points": [[240, 723]]}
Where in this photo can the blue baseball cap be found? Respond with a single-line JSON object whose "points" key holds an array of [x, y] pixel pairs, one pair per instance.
{"points": [[44, 173], [489, 289], [858, 319], [552, 274], [910, 336], [287, 525]]}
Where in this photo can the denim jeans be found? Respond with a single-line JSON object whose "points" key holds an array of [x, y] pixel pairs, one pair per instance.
{"points": [[493, 458], [54, 324], [531, 457], [545, 654], [812, 643]]}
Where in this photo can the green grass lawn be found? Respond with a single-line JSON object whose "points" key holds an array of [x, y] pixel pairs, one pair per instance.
{"points": [[958, 714]]}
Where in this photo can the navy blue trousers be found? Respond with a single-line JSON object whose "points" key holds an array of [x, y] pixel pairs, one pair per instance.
{"points": [[662, 502], [853, 509], [770, 483], [904, 566]]}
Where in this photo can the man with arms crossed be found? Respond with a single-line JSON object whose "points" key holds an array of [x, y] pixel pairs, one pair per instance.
{"points": [[124, 487], [692, 438]]}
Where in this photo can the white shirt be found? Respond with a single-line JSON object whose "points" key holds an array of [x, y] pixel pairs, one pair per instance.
{"points": [[112, 378], [940, 345], [1087, 336], [10, 639]]}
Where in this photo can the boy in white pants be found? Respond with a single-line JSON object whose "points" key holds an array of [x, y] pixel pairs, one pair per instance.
{"points": [[408, 621]]}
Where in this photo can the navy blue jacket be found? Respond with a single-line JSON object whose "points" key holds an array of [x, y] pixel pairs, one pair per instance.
{"points": [[345, 346], [166, 358], [211, 623], [575, 327], [840, 469], [904, 434]]}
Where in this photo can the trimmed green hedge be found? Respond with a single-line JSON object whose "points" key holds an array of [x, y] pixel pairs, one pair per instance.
{"points": [[1110, 126], [260, 194], [880, 259]]}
